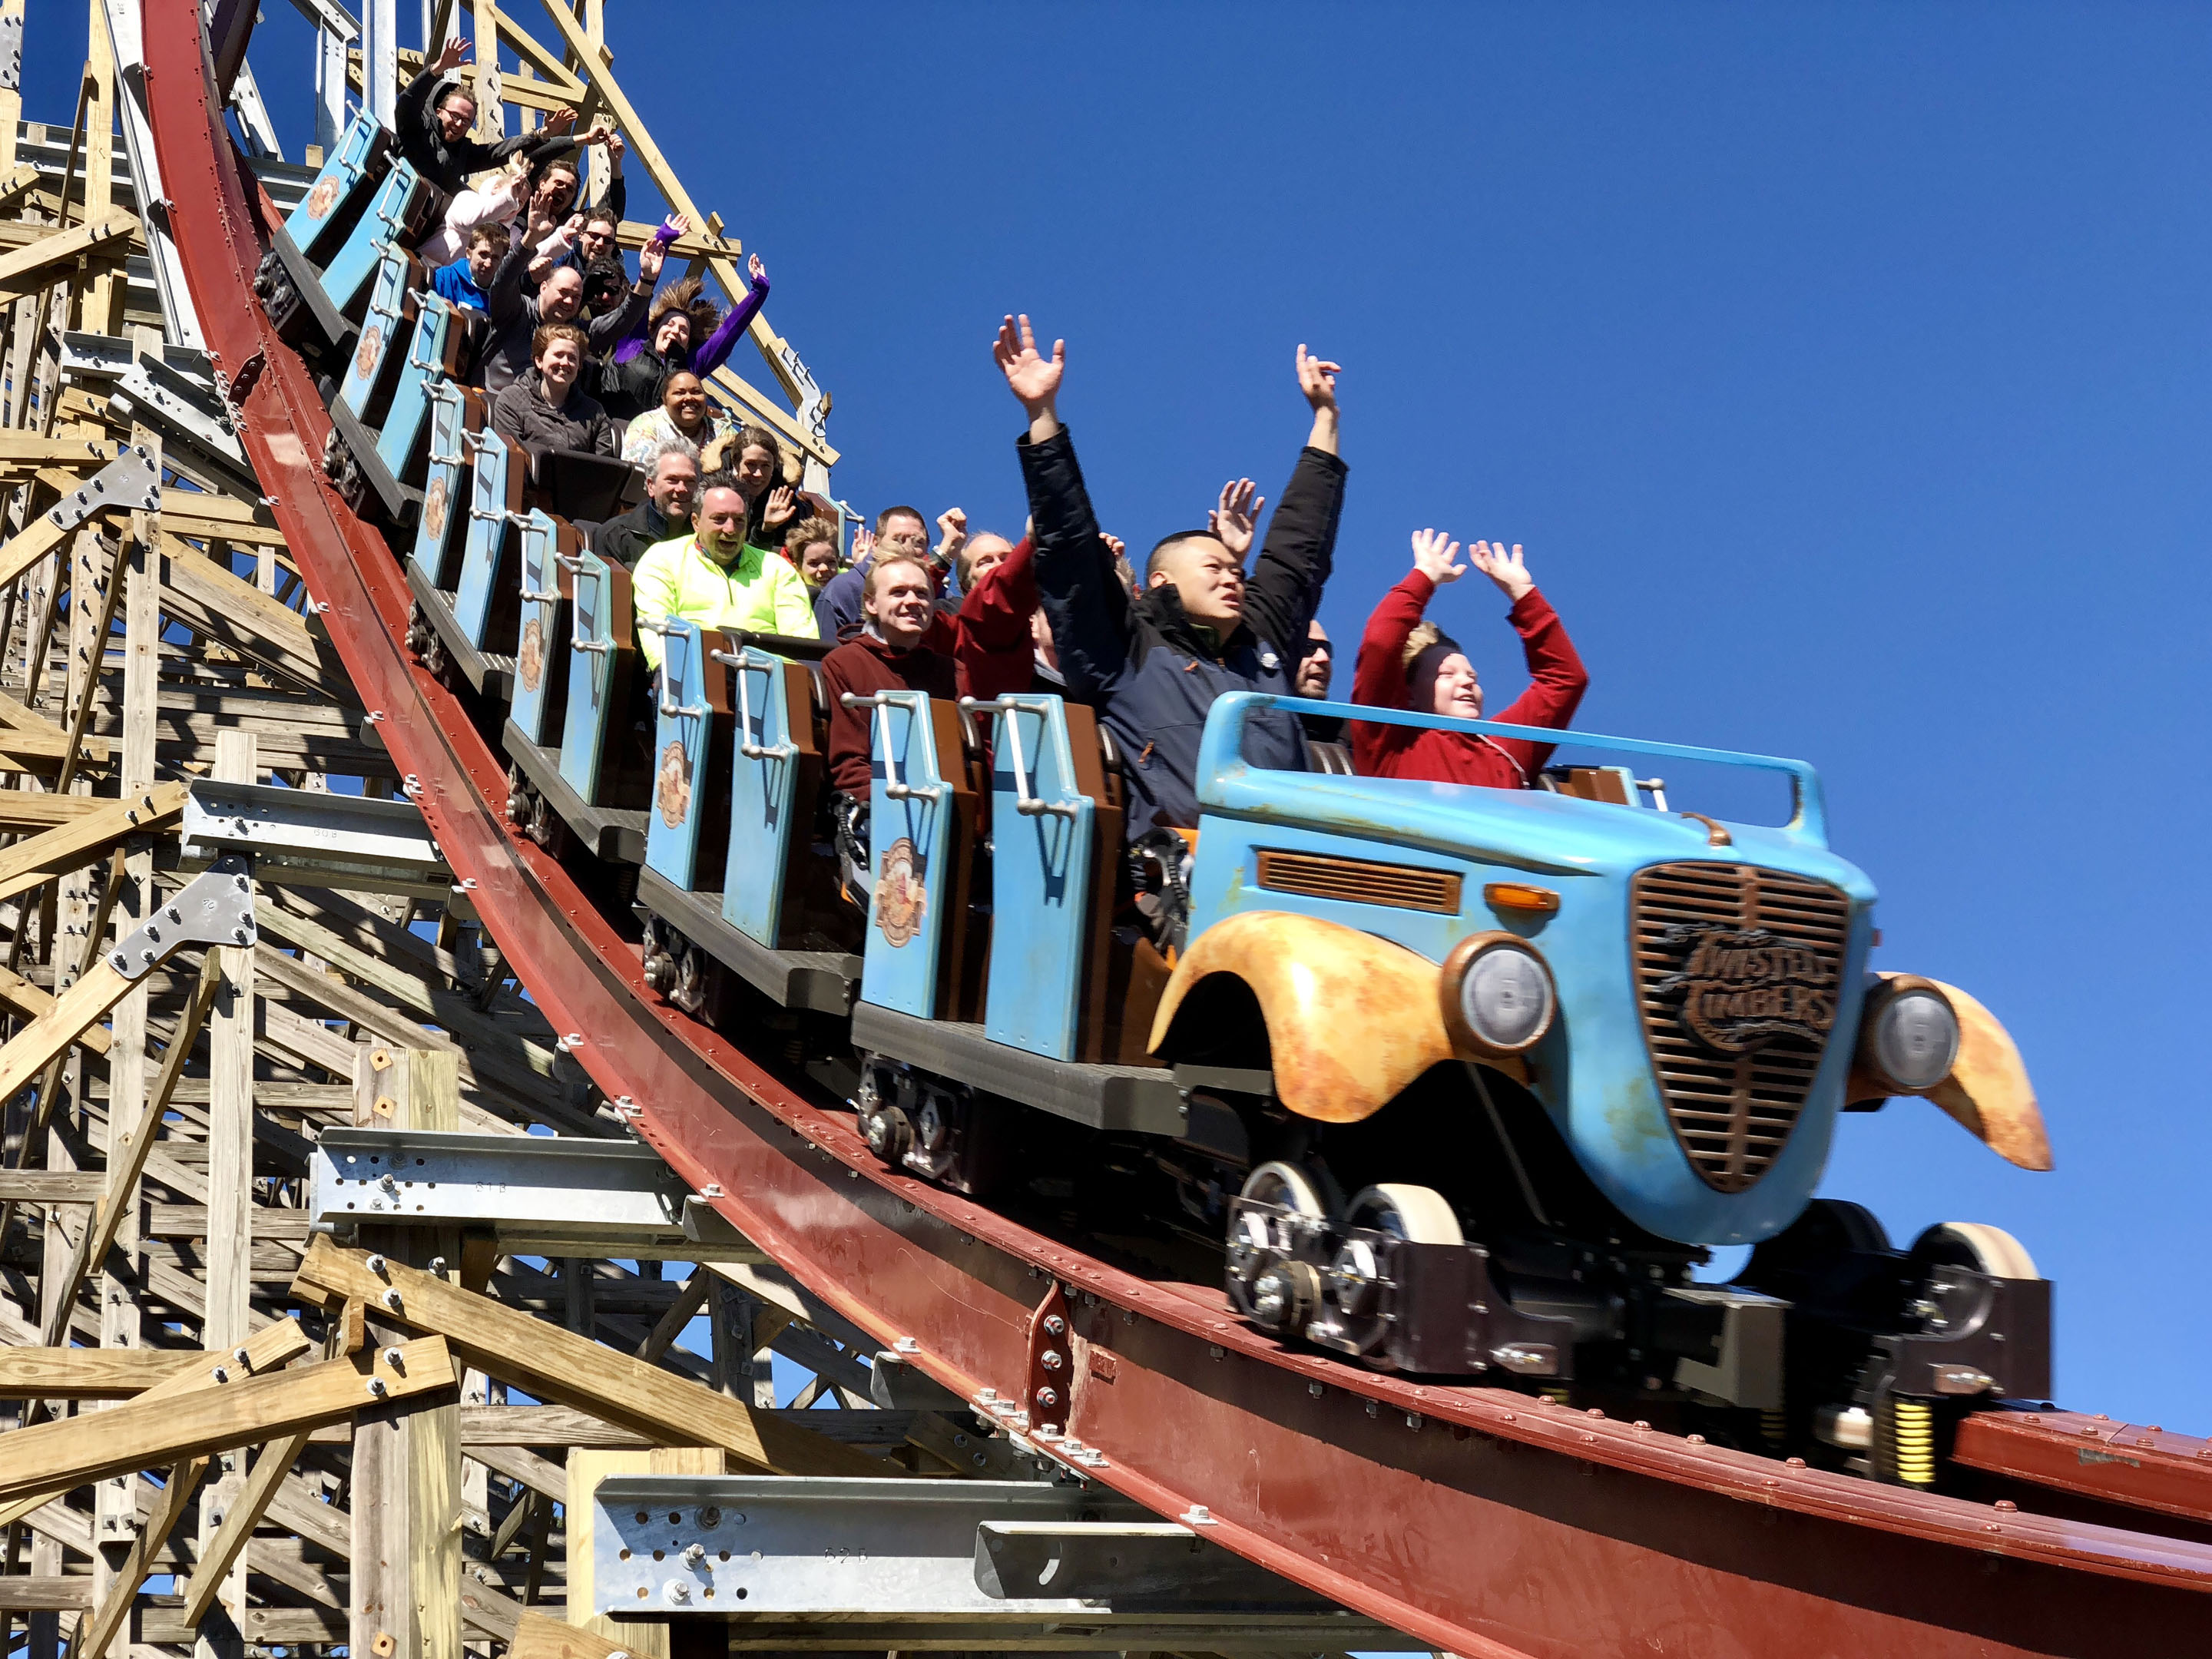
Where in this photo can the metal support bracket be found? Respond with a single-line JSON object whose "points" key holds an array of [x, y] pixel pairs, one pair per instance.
{"points": [[310, 838], [1002, 1558], [130, 482], [540, 1195], [1052, 1366], [215, 908], [192, 417]]}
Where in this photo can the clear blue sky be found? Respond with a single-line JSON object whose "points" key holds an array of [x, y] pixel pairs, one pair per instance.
{"points": [[1843, 367]]}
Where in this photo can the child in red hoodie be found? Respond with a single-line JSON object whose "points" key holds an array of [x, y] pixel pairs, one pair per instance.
{"points": [[1406, 662]]}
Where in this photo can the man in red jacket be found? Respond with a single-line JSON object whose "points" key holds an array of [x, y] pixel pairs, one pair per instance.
{"points": [[891, 653], [1406, 662]]}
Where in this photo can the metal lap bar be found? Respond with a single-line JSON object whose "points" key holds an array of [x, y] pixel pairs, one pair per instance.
{"points": [[746, 746], [598, 648], [881, 702], [1027, 804]]}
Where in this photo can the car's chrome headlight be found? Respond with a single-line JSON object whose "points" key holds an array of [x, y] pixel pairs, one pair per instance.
{"points": [[1911, 1038], [1498, 994]]}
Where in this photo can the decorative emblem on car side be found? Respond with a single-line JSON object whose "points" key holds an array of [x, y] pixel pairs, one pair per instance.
{"points": [[672, 791], [530, 658], [902, 899], [322, 199], [1742, 988]]}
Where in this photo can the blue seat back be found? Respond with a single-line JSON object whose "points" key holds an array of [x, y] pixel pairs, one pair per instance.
{"points": [[346, 172], [383, 330], [489, 520], [445, 480], [914, 890], [429, 342], [599, 639], [1042, 830], [763, 794], [541, 655], [684, 766], [354, 265]]}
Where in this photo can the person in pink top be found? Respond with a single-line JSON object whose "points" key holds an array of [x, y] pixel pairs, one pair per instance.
{"points": [[1409, 662]]}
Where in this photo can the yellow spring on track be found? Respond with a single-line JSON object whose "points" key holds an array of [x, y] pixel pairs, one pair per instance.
{"points": [[1774, 1427], [1916, 1443]]}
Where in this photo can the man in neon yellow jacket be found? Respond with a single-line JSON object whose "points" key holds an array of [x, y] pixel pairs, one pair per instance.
{"points": [[712, 577]]}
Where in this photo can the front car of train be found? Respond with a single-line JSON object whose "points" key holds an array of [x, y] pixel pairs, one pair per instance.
{"points": [[1532, 1053]]}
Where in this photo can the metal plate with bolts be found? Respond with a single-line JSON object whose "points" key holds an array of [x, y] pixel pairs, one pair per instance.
{"points": [[214, 909], [311, 838], [615, 1196], [130, 482], [822, 1545]]}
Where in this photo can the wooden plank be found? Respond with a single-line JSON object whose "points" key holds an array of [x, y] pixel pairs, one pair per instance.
{"points": [[244, 1513], [52, 1186], [537, 1637], [46, 261], [129, 1149], [30, 1001], [244, 1411], [183, 1481], [27, 1373], [33, 860], [488, 1426], [561, 1366], [46, 1592], [265, 1353], [47, 1037]]}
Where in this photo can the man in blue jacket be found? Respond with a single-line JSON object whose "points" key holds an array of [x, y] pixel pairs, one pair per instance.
{"points": [[1153, 663]]}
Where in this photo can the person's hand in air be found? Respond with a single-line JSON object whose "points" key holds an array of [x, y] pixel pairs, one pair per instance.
{"points": [[1508, 570], [1033, 378], [450, 56], [1234, 518], [1435, 555], [558, 123], [951, 534], [1318, 380], [782, 507], [650, 258], [756, 272]]}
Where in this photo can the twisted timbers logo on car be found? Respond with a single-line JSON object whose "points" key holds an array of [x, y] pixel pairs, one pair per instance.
{"points": [[902, 899], [1742, 988]]}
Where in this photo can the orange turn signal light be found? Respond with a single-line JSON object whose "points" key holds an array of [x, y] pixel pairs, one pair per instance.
{"points": [[1519, 895]]}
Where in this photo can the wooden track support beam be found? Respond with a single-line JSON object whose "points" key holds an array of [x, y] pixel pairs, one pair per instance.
{"points": [[240, 1413], [569, 1369]]}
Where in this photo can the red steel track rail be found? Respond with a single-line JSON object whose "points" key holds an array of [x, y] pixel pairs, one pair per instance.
{"points": [[1478, 1519]]}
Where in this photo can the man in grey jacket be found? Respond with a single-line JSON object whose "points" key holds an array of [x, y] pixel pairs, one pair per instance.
{"points": [[516, 317]]}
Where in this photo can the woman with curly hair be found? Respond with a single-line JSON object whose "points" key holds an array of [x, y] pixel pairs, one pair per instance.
{"points": [[684, 330]]}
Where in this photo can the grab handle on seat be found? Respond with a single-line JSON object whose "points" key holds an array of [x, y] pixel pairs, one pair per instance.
{"points": [[746, 746], [1027, 804], [892, 786]]}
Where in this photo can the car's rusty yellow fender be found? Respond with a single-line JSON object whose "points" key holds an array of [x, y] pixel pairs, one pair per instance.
{"points": [[1352, 1019], [1986, 1092]]}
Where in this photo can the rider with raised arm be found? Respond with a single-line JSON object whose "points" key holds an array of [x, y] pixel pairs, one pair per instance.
{"points": [[1407, 662], [1154, 662]]}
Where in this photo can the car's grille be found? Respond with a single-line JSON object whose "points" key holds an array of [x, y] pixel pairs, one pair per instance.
{"points": [[1322, 875], [1738, 971]]}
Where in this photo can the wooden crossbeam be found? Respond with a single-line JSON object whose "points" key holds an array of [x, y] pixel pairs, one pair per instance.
{"points": [[245, 1514], [243, 1412], [32, 1002], [570, 1370], [267, 1352], [28, 269], [29, 1373], [184, 1480], [31, 861], [127, 1163]]}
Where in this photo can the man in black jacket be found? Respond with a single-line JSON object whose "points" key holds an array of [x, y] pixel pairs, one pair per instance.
{"points": [[1153, 664], [432, 127], [671, 490], [516, 317]]}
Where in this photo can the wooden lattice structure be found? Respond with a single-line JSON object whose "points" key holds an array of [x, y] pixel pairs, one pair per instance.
{"points": [[187, 1377]]}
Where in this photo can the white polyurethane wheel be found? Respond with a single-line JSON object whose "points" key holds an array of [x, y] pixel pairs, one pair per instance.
{"points": [[1988, 1249], [1285, 1184], [1417, 1214]]}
